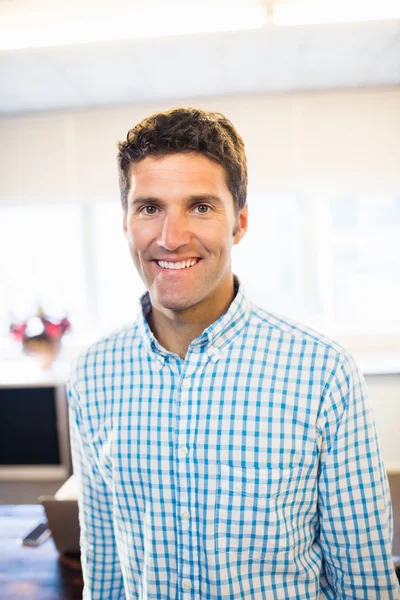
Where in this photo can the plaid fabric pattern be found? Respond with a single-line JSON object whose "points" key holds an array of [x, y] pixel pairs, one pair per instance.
{"points": [[249, 470]]}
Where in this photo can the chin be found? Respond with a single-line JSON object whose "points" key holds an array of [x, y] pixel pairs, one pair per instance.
{"points": [[170, 301], [178, 303], [175, 305]]}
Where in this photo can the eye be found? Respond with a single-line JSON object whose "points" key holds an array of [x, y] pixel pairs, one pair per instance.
{"points": [[203, 208], [149, 210]]}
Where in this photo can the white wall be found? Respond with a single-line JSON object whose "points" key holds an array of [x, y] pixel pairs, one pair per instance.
{"points": [[346, 139], [342, 140]]}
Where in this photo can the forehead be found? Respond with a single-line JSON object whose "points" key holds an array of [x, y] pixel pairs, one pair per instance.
{"points": [[178, 171]]}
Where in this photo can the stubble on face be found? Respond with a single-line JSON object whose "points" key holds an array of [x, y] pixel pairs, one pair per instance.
{"points": [[176, 230]]}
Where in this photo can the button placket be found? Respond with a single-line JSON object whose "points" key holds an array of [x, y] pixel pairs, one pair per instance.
{"points": [[186, 523], [183, 515]]}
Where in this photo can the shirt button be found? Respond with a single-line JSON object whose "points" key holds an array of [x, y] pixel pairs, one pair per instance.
{"points": [[185, 516], [186, 384], [186, 584], [183, 451], [214, 352]]}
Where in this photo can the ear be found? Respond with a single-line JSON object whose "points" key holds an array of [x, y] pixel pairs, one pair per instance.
{"points": [[124, 222], [241, 225]]}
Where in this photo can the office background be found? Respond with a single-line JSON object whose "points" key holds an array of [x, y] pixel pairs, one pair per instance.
{"points": [[318, 106]]}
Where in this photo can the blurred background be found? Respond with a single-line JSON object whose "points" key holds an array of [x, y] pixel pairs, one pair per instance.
{"points": [[313, 87]]}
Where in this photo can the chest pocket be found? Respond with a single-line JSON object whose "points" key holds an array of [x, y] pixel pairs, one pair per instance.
{"points": [[253, 512]]}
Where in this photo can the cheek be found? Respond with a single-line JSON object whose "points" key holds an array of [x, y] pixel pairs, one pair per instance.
{"points": [[217, 233], [138, 237], [219, 242]]}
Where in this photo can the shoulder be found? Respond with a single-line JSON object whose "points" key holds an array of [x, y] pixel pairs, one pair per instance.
{"points": [[312, 359], [290, 337], [110, 350]]}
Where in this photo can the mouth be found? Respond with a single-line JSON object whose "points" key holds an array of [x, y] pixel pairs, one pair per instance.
{"points": [[177, 266]]}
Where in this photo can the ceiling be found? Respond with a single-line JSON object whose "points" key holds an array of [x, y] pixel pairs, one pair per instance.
{"points": [[271, 59]]}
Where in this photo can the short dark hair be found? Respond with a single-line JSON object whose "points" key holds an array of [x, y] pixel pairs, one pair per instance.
{"points": [[186, 130]]}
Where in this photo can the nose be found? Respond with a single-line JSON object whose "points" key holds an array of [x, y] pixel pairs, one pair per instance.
{"points": [[174, 233]]}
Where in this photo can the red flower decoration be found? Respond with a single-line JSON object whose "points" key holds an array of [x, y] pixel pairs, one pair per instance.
{"points": [[18, 331], [53, 330]]}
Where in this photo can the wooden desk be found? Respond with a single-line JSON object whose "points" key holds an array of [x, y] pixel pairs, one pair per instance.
{"points": [[34, 573]]}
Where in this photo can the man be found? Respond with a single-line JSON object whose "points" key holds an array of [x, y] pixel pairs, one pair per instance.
{"points": [[222, 451]]}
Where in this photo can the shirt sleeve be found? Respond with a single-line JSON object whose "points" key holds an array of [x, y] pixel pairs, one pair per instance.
{"points": [[99, 556], [355, 512]]}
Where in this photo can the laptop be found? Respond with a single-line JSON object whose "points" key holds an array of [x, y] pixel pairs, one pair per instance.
{"points": [[63, 521]]}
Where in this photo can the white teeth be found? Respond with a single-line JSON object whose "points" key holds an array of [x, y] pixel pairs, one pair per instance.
{"points": [[177, 265]]}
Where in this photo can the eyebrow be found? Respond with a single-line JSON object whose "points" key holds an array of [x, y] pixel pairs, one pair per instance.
{"points": [[189, 199]]}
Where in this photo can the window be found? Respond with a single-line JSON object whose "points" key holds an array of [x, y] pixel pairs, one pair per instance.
{"points": [[331, 262], [41, 262], [271, 259], [117, 281], [365, 234]]}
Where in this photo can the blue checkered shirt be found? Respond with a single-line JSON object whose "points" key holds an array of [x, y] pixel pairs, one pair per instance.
{"points": [[250, 469]]}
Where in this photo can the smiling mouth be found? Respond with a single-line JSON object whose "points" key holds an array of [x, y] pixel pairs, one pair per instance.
{"points": [[177, 266]]}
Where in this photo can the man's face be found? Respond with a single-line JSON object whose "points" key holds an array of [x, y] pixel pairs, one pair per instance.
{"points": [[180, 213]]}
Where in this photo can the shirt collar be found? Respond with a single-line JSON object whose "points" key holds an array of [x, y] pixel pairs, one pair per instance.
{"points": [[215, 337]]}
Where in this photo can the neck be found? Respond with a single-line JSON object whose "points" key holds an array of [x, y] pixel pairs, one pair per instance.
{"points": [[175, 331]]}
